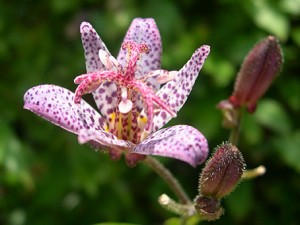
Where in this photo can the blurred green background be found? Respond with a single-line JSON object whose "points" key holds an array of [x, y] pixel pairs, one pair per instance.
{"points": [[46, 177]]}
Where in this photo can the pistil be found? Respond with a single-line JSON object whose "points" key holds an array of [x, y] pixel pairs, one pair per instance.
{"points": [[125, 104]]}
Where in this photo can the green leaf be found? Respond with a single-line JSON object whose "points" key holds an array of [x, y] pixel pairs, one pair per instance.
{"points": [[289, 89], [288, 148], [251, 130], [290, 6], [271, 114], [240, 202], [193, 220], [296, 35], [220, 69], [13, 158], [267, 17], [173, 221]]}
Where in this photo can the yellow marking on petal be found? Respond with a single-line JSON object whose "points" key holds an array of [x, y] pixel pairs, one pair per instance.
{"points": [[112, 116], [129, 127], [111, 121], [142, 119], [106, 128], [119, 126]]}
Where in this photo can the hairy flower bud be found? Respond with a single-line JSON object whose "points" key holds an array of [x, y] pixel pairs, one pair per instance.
{"points": [[257, 72], [209, 208], [222, 172]]}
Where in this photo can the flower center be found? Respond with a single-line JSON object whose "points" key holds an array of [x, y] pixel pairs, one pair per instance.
{"points": [[131, 117]]}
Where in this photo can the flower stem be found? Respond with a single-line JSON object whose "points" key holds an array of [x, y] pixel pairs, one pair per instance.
{"points": [[235, 132], [168, 177]]}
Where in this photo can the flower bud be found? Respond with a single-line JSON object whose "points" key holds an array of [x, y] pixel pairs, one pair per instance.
{"points": [[222, 172], [209, 208], [230, 119], [132, 159], [257, 72]]}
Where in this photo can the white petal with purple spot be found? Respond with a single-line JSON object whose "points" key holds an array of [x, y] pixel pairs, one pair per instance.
{"points": [[92, 43], [176, 91], [144, 31], [103, 138], [56, 104], [181, 142]]}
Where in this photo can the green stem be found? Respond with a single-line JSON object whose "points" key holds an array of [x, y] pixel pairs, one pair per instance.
{"points": [[235, 132], [168, 177]]}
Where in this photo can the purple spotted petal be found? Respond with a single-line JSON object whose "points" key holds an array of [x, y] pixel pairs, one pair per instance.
{"points": [[176, 91], [105, 95], [103, 138], [107, 98], [180, 142], [56, 104], [92, 43], [144, 31]]}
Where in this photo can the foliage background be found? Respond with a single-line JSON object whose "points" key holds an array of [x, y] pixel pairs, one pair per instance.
{"points": [[47, 178]]}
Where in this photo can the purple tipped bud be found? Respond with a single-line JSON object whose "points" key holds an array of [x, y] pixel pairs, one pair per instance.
{"points": [[258, 70], [222, 172], [209, 208]]}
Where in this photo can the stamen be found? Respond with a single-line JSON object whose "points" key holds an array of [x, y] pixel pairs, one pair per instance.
{"points": [[125, 104], [161, 76], [91, 81], [80, 78], [133, 46], [109, 61], [87, 85], [134, 51]]}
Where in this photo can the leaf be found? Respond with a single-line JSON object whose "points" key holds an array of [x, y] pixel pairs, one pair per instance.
{"points": [[267, 17], [271, 114], [193, 220], [13, 158], [289, 90], [288, 148], [290, 6], [220, 69], [240, 202], [252, 131]]}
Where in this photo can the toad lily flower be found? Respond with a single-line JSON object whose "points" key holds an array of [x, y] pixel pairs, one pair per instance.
{"points": [[133, 106]]}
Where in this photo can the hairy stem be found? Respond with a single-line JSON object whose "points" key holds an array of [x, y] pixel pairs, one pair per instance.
{"points": [[168, 177]]}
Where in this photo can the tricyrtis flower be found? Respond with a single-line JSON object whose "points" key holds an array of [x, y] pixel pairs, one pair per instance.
{"points": [[133, 106]]}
